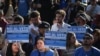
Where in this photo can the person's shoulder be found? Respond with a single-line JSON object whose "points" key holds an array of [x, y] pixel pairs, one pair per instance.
{"points": [[79, 48], [96, 49], [89, 5], [65, 24], [31, 25], [53, 27], [55, 24], [34, 51], [50, 51]]}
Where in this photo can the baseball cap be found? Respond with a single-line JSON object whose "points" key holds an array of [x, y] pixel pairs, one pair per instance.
{"points": [[88, 36], [44, 25], [83, 16]]}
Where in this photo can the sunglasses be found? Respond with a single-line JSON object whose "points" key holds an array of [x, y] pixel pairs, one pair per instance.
{"points": [[87, 38]]}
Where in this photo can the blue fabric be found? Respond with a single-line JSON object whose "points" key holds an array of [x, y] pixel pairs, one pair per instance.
{"points": [[92, 52], [23, 7], [47, 53], [63, 4]]}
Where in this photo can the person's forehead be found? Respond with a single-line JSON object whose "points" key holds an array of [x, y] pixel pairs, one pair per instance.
{"points": [[35, 18], [87, 37], [58, 15]]}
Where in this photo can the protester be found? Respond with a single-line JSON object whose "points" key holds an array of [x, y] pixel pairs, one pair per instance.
{"points": [[43, 27], [14, 49], [33, 27], [87, 49], [81, 20], [71, 44], [41, 49], [60, 25]]}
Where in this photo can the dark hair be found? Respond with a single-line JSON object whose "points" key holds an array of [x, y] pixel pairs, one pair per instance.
{"points": [[44, 24], [19, 18], [34, 14], [41, 38], [9, 51], [88, 35], [38, 38]]}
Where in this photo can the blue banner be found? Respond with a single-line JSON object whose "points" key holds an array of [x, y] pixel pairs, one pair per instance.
{"points": [[55, 40], [78, 30], [18, 33]]}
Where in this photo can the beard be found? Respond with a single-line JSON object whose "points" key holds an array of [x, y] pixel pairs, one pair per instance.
{"points": [[87, 44]]}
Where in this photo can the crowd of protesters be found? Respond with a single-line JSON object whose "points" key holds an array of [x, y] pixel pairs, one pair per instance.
{"points": [[51, 15]]}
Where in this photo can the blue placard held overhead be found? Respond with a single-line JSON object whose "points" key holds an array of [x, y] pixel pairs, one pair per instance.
{"points": [[18, 33], [78, 30], [55, 40]]}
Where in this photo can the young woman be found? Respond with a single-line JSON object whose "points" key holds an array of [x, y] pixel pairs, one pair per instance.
{"points": [[14, 49], [71, 44], [41, 50]]}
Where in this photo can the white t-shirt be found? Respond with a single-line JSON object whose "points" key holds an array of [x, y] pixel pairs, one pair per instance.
{"points": [[63, 28]]}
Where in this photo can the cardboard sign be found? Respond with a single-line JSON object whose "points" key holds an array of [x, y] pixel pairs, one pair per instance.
{"points": [[18, 33], [78, 30], [55, 40]]}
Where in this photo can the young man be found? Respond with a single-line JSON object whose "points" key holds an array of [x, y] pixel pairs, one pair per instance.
{"points": [[43, 27], [41, 50], [60, 25], [81, 20], [87, 49], [35, 21]]}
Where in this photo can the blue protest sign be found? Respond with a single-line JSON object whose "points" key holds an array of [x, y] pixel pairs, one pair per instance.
{"points": [[55, 40], [78, 30], [17, 33]]}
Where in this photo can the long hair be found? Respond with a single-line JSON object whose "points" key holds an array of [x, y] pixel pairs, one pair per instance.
{"points": [[9, 51], [68, 40]]}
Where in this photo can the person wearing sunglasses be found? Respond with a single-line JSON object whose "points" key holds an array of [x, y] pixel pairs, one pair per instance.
{"points": [[87, 49]]}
